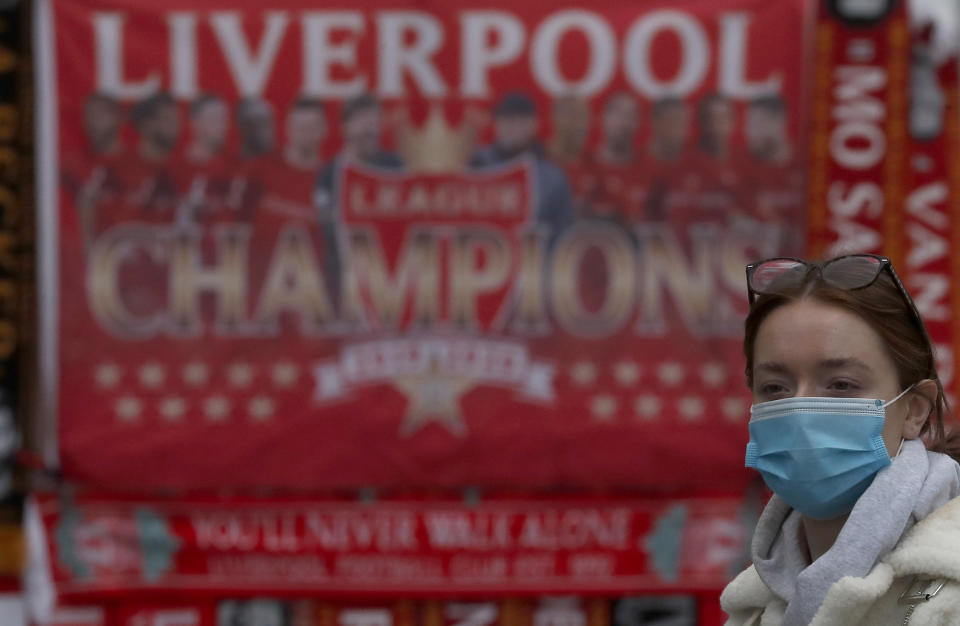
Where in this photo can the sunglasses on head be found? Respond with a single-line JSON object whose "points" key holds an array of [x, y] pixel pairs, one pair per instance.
{"points": [[853, 271]]}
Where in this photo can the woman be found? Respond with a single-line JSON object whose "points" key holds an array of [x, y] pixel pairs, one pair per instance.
{"points": [[864, 523]]}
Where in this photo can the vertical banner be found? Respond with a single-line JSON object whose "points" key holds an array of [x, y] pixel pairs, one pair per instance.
{"points": [[859, 142], [929, 212], [950, 76], [415, 244]]}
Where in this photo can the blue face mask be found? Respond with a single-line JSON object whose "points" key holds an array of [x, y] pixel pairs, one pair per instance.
{"points": [[819, 454]]}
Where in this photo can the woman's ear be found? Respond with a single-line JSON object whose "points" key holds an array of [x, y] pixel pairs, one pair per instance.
{"points": [[920, 404]]}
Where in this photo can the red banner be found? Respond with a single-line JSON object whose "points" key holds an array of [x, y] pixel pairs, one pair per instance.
{"points": [[403, 548], [929, 211], [950, 81], [860, 139], [318, 248]]}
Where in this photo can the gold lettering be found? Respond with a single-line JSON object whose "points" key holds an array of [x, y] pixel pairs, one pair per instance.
{"points": [[368, 279], [665, 269], [479, 264], [740, 245], [227, 279], [529, 291], [567, 295], [107, 255], [295, 283]]}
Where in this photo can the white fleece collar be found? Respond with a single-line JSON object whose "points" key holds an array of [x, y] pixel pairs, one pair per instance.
{"points": [[932, 547]]}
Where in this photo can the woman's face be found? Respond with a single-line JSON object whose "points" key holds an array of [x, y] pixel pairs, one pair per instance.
{"points": [[810, 348]]}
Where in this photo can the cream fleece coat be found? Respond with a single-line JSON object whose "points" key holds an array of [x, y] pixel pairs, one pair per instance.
{"points": [[929, 550]]}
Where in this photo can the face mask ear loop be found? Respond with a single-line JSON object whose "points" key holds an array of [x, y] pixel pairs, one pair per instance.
{"points": [[900, 395], [900, 448]]}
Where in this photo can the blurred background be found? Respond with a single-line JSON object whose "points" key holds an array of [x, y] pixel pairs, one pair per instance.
{"points": [[427, 314]]}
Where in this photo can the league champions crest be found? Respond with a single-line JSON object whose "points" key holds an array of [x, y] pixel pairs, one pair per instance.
{"points": [[434, 260]]}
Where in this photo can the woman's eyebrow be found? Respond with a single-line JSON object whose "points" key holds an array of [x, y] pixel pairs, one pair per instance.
{"points": [[773, 367], [844, 362]]}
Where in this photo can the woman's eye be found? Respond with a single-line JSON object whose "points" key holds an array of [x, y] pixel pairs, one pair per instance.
{"points": [[842, 385], [772, 389]]}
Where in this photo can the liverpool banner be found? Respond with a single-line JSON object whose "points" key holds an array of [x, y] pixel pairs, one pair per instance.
{"points": [[410, 244], [158, 548]]}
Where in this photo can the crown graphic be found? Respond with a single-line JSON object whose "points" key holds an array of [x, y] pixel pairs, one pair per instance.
{"points": [[436, 145]]}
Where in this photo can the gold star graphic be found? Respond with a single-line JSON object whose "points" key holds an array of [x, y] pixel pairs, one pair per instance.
{"points": [[433, 396]]}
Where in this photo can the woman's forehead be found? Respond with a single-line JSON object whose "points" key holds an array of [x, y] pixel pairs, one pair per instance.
{"points": [[810, 333]]}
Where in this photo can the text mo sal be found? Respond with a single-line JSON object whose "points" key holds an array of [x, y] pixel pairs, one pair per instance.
{"points": [[466, 278], [420, 52]]}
